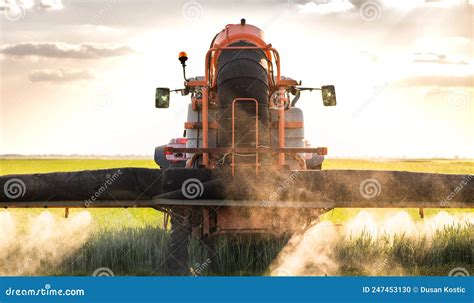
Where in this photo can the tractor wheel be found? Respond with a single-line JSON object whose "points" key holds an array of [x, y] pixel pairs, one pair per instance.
{"points": [[316, 167], [177, 262]]}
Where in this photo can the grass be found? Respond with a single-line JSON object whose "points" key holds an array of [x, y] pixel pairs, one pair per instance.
{"points": [[132, 241], [141, 251], [450, 247]]}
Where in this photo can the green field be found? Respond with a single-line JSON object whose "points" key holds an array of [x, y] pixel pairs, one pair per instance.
{"points": [[133, 242]]}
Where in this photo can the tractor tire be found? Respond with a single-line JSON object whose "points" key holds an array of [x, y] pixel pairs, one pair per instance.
{"points": [[177, 262], [316, 167], [315, 163], [242, 74]]}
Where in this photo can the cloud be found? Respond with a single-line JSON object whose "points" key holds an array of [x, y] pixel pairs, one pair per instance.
{"points": [[438, 58], [439, 80], [63, 50], [42, 5], [375, 6], [6, 5], [60, 75], [325, 7], [50, 4]]}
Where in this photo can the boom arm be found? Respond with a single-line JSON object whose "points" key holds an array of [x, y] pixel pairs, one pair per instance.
{"points": [[138, 187]]}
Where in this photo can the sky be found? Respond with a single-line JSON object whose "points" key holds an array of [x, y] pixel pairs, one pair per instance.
{"points": [[78, 77]]}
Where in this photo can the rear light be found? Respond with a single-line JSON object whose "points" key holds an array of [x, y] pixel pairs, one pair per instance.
{"points": [[181, 141], [168, 150]]}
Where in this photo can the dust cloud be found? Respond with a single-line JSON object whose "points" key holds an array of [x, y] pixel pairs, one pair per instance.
{"points": [[390, 224], [309, 253], [33, 245], [313, 252]]}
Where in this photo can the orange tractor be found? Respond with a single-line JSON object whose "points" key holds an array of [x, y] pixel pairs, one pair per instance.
{"points": [[243, 165]]}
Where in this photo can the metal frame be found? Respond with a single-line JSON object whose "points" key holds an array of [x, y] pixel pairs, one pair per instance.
{"points": [[210, 83], [206, 85], [230, 34], [321, 151], [160, 202]]}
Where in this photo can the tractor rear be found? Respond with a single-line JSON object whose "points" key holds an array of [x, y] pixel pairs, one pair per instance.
{"points": [[242, 118]]}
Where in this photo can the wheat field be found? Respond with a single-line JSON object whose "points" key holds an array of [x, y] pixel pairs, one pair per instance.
{"points": [[134, 242]]}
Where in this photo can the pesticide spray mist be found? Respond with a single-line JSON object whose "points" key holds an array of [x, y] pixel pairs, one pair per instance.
{"points": [[313, 251], [41, 242]]}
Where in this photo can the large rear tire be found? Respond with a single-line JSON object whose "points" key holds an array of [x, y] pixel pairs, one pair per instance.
{"points": [[242, 74], [177, 262]]}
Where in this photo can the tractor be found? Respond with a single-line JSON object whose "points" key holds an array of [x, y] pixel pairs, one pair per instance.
{"points": [[243, 165]]}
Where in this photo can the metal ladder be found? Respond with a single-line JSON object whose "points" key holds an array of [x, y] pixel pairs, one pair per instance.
{"points": [[233, 165]]}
